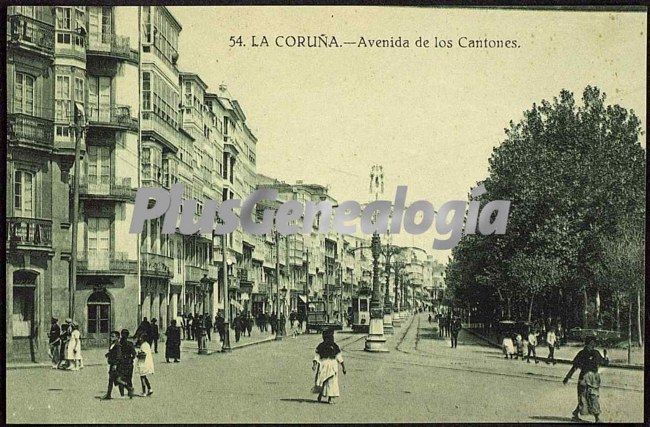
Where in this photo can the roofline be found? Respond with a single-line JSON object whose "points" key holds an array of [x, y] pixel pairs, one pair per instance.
{"points": [[171, 15]]}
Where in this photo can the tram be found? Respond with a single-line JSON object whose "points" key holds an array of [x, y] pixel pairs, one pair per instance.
{"points": [[361, 310]]}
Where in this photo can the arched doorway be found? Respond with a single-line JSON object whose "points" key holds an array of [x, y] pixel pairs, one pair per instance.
{"points": [[99, 317]]}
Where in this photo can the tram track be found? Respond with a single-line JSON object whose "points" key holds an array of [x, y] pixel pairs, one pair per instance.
{"points": [[401, 343]]}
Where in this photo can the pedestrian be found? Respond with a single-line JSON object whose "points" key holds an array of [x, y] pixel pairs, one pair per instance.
{"points": [[190, 327], [173, 342], [532, 344], [588, 360], [260, 322], [272, 321], [73, 348], [196, 326], [508, 347], [155, 334], [125, 369], [208, 327], [519, 342], [455, 330], [303, 319], [145, 364], [143, 328], [325, 363], [66, 330], [430, 318], [441, 321], [219, 323], [54, 337], [114, 359], [551, 341], [249, 324]]}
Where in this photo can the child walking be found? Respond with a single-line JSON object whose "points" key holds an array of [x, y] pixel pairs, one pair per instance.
{"points": [[328, 356], [145, 364]]}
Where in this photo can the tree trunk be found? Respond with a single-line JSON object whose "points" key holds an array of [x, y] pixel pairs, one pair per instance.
{"points": [[586, 302], [530, 310], [638, 318], [629, 330], [509, 311], [618, 314], [598, 308]]}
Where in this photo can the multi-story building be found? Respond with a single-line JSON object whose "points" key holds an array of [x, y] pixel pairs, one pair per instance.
{"points": [[38, 222]]}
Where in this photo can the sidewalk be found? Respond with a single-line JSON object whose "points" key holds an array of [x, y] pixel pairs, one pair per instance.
{"points": [[96, 356], [617, 356]]}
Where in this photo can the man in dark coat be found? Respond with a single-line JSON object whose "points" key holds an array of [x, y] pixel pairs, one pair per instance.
{"points": [[66, 331], [208, 327], [114, 358], [455, 329], [173, 342], [273, 320], [55, 342], [237, 325], [219, 323], [125, 368], [155, 334]]}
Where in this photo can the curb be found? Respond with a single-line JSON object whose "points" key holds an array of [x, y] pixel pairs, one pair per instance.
{"points": [[558, 360], [48, 365]]}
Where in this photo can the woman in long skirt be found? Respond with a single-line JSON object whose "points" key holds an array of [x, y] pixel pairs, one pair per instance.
{"points": [[326, 363], [73, 349], [173, 343], [145, 363]]}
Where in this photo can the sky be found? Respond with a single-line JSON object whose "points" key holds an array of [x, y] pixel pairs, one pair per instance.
{"points": [[430, 117]]}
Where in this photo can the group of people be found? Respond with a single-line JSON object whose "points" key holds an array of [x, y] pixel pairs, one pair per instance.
{"points": [[65, 345], [121, 356], [449, 326], [513, 346]]}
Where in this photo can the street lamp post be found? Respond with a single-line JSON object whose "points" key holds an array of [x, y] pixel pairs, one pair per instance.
{"points": [[375, 341], [79, 122], [205, 282]]}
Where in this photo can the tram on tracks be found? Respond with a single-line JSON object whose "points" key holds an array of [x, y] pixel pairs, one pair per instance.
{"points": [[361, 310]]}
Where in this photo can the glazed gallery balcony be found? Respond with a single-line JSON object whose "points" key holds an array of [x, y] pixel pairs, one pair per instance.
{"points": [[194, 274], [156, 265], [31, 34], [116, 189], [30, 131], [111, 46], [26, 233], [106, 263], [112, 116]]}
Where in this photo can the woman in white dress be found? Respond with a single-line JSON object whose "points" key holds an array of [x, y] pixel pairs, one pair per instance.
{"points": [[73, 348], [326, 362], [508, 347], [145, 364]]}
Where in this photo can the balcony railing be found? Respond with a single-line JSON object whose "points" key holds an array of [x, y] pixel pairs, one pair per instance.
{"points": [[113, 115], [30, 130], [155, 265], [111, 45], [194, 273], [116, 188], [30, 33], [29, 232], [106, 262]]}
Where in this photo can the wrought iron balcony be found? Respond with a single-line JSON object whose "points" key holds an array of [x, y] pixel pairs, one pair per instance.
{"points": [[113, 46], [114, 189], [31, 34], [156, 265], [106, 263], [194, 273], [118, 116], [29, 232], [23, 129]]}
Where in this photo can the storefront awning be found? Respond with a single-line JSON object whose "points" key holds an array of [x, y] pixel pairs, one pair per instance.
{"points": [[303, 298]]}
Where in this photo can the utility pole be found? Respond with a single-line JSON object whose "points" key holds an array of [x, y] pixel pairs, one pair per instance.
{"points": [[279, 328], [307, 284], [375, 341], [225, 346], [79, 120]]}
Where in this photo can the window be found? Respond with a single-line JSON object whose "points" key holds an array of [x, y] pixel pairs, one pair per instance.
{"points": [[79, 90], [226, 125], [24, 95], [99, 313], [99, 168], [146, 90], [63, 99], [146, 13], [99, 235], [151, 164], [99, 98], [24, 194], [169, 171]]}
